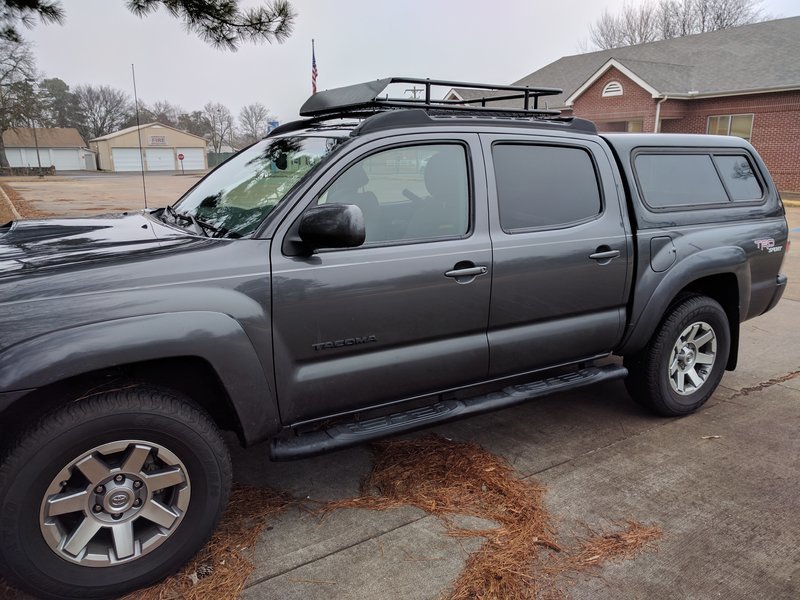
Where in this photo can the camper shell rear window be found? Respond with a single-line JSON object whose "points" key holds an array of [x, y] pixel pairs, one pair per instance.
{"points": [[673, 178]]}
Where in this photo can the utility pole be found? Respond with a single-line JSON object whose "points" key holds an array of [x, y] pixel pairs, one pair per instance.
{"points": [[415, 91], [34, 87]]}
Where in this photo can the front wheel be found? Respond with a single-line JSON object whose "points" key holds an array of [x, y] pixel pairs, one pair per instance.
{"points": [[109, 494], [682, 365]]}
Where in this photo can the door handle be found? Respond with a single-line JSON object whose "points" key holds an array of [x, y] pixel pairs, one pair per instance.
{"points": [[603, 254], [467, 272]]}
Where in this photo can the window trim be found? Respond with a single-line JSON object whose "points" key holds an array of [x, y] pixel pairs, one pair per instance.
{"points": [[711, 153], [730, 122], [412, 241], [612, 88], [566, 225]]}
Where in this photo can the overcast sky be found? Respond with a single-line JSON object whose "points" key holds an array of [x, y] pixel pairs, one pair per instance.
{"points": [[497, 41]]}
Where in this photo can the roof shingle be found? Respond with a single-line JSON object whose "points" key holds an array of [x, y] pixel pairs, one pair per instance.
{"points": [[756, 57], [51, 137]]}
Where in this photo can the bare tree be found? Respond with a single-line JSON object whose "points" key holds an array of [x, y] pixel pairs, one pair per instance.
{"points": [[165, 112], [253, 122], [650, 21], [17, 72], [104, 109], [222, 23], [220, 124]]}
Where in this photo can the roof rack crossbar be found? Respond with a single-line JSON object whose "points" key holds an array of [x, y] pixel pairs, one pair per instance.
{"points": [[368, 95]]}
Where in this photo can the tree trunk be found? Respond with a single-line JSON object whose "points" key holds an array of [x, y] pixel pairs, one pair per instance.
{"points": [[3, 158]]}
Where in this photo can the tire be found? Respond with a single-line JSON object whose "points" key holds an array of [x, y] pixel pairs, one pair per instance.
{"points": [[672, 374], [155, 457]]}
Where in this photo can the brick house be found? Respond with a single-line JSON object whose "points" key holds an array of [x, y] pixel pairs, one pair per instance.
{"points": [[742, 81]]}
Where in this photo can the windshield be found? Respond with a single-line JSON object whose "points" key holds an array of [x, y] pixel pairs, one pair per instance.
{"points": [[234, 199]]}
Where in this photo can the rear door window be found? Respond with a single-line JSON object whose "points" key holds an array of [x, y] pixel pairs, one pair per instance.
{"points": [[544, 186]]}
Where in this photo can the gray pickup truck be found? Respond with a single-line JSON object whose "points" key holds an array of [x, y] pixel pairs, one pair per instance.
{"points": [[380, 265]]}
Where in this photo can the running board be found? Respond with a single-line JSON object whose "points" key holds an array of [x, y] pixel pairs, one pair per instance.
{"points": [[344, 435]]}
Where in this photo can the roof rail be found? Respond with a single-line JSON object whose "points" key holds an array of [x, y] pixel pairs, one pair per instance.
{"points": [[367, 96]]}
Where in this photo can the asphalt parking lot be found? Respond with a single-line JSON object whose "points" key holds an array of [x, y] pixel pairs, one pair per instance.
{"points": [[86, 193], [722, 484]]}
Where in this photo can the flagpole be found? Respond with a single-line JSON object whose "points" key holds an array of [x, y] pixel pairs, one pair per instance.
{"points": [[313, 69]]}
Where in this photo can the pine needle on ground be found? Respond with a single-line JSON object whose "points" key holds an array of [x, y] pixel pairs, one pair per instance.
{"points": [[521, 558], [220, 570]]}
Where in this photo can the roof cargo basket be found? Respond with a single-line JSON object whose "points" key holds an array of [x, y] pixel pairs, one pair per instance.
{"points": [[369, 97]]}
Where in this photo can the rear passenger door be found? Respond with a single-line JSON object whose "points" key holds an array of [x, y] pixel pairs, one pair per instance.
{"points": [[561, 252]]}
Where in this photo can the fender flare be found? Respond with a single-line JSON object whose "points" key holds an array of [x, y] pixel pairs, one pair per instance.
{"points": [[714, 261], [215, 337]]}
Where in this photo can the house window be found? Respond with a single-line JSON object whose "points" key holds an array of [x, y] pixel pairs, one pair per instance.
{"points": [[738, 125], [612, 88], [635, 126]]}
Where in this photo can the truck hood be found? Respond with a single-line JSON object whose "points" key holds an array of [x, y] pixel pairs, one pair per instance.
{"points": [[31, 245]]}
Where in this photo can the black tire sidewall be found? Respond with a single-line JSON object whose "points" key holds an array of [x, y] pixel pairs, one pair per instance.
{"points": [[692, 311], [32, 561]]}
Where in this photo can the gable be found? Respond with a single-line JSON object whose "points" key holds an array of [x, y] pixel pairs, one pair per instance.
{"points": [[632, 94], [617, 71]]}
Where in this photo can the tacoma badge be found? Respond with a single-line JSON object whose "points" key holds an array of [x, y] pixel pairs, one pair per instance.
{"points": [[345, 342]]}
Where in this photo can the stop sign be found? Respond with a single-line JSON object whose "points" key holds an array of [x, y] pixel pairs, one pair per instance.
{"points": [[180, 156]]}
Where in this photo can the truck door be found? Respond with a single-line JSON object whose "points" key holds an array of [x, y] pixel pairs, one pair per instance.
{"points": [[561, 252], [406, 313]]}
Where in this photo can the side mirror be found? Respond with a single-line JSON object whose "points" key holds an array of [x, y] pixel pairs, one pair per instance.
{"points": [[332, 226]]}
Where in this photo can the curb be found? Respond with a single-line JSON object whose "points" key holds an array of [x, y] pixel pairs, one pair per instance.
{"points": [[18, 216], [794, 203]]}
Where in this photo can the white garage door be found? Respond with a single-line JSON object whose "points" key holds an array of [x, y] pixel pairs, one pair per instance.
{"points": [[126, 159], [160, 159], [193, 159], [67, 159], [14, 156]]}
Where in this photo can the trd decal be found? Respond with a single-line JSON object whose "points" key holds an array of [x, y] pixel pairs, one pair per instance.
{"points": [[767, 244], [345, 342]]}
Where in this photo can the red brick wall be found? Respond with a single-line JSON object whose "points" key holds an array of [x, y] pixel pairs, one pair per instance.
{"points": [[776, 124], [635, 103]]}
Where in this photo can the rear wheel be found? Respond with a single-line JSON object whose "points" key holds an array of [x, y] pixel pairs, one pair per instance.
{"points": [[110, 494], [682, 365]]}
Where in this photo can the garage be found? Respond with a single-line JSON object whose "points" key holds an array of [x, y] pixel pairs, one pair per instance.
{"points": [[160, 145], [126, 159], [160, 159], [59, 147], [194, 159], [67, 159]]}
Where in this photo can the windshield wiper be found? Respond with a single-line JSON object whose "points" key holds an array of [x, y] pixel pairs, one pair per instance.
{"points": [[191, 220], [203, 226]]}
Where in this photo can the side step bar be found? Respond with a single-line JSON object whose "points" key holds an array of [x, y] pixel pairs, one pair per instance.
{"points": [[344, 435]]}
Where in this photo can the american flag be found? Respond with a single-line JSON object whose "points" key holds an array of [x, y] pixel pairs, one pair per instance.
{"points": [[313, 70]]}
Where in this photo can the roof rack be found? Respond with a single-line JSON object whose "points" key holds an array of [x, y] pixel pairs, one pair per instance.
{"points": [[367, 96]]}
